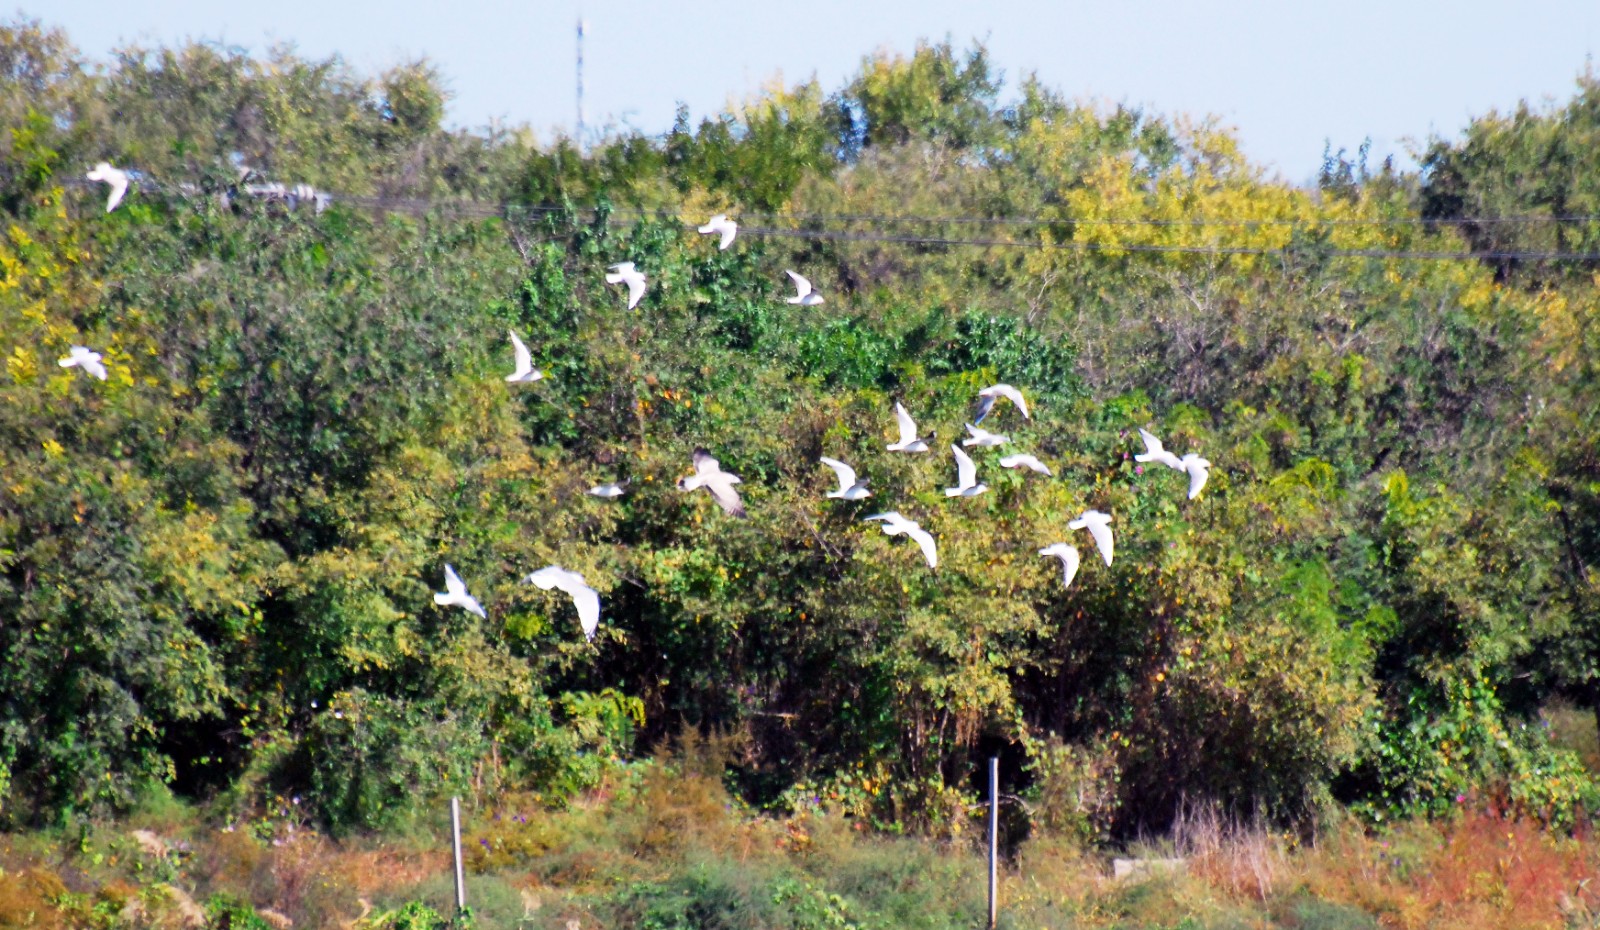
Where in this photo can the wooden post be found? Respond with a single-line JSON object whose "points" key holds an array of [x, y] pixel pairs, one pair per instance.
{"points": [[994, 840], [455, 843]]}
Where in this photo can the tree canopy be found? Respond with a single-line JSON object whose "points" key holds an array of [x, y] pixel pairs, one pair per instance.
{"points": [[216, 566]]}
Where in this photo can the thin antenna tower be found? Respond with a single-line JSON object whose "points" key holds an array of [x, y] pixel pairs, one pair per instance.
{"points": [[580, 84]]}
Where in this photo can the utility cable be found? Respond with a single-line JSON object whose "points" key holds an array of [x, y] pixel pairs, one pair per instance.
{"points": [[508, 210]]}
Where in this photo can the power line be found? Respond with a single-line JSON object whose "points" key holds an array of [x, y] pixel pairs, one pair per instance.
{"points": [[1251, 223], [579, 132], [291, 196], [485, 210], [492, 208], [1530, 219], [1073, 246]]}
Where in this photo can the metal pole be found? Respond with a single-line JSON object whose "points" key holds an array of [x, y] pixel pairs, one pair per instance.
{"points": [[455, 842], [994, 840], [578, 133]]}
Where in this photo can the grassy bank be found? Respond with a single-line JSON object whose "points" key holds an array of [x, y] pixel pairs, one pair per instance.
{"points": [[663, 846]]}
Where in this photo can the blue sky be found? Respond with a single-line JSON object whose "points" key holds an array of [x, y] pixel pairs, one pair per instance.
{"points": [[1286, 75]]}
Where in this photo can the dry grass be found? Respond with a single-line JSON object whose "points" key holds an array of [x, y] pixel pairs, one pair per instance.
{"points": [[27, 899], [1246, 861], [667, 847], [1479, 870]]}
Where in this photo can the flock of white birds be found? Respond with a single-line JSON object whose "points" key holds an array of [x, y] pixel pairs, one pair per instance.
{"points": [[708, 473]]}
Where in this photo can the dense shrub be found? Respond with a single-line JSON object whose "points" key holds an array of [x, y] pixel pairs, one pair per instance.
{"points": [[216, 566]]}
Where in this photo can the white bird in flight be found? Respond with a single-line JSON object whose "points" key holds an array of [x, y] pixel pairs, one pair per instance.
{"points": [[989, 395], [1199, 470], [1024, 460], [1068, 554], [722, 226], [982, 438], [804, 295], [708, 474], [850, 489], [85, 358], [116, 177], [1155, 452], [455, 594], [967, 484], [909, 440], [625, 273], [610, 490], [1099, 526], [895, 525], [585, 598], [525, 372]]}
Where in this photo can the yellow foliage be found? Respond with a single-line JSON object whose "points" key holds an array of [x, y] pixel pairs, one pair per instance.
{"points": [[23, 365], [1562, 321]]}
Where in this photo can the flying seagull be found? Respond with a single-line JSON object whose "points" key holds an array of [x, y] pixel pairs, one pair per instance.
{"points": [[722, 226], [895, 525], [1154, 452], [709, 475], [625, 273], [116, 177], [978, 436], [585, 598], [989, 395], [967, 484], [525, 371], [1024, 460], [455, 594], [850, 489], [85, 358], [1099, 526], [804, 295], [1199, 470], [909, 440], [610, 490], [1068, 554]]}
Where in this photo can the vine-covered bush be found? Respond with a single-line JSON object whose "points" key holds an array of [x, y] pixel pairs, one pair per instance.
{"points": [[217, 565]]}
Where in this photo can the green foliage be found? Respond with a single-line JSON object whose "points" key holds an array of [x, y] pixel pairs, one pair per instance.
{"points": [[1012, 351], [1450, 739], [1514, 180], [217, 567], [371, 761], [1074, 791], [228, 913], [758, 155], [843, 354], [413, 915], [933, 96], [705, 897]]}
